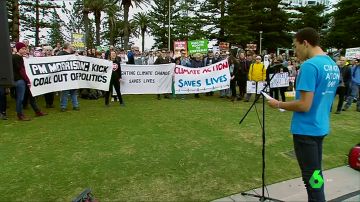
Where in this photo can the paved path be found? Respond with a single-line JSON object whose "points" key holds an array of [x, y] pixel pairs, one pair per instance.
{"points": [[341, 184]]}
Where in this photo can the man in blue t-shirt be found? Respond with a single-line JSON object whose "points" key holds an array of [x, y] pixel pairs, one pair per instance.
{"points": [[316, 86]]}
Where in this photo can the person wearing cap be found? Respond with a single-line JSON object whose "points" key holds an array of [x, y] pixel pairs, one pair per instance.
{"points": [[257, 72]]}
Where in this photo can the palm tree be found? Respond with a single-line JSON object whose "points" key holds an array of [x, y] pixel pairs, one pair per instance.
{"points": [[98, 6], [126, 4], [142, 22]]}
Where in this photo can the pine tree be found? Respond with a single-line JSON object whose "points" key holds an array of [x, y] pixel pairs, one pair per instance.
{"points": [[186, 24], [238, 21], [212, 14], [159, 26], [55, 33], [345, 32], [268, 17], [33, 15]]}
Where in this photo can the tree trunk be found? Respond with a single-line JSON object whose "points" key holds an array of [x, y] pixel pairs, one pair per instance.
{"points": [[37, 23], [97, 25], [87, 29], [222, 15], [143, 40], [126, 26], [15, 34], [111, 30]]}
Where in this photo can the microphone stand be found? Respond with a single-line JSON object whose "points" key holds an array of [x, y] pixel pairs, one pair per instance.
{"points": [[262, 197]]}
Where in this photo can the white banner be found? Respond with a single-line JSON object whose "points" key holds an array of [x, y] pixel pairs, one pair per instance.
{"points": [[256, 87], [57, 73], [200, 80], [146, 79], [279, 80], [352, 53]]}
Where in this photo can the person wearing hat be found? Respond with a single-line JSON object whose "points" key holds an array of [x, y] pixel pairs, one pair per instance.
{"points": [[22, 82]]}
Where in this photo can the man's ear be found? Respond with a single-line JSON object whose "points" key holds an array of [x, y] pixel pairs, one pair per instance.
{"points": [[306, 43]]}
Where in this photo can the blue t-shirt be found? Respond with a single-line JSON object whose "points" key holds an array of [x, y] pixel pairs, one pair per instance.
{"points": [[319, 75]]}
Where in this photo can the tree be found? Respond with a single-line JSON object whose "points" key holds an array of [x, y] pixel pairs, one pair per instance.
{"points": [[268, 17], [159, 22], [345, 32], [55, 33], [186, 24], [31, 21], [126, 5], [310, 16], [113, 24], [212, 14], [76, 21], [98, 6], [238, 21], [142, 22]]}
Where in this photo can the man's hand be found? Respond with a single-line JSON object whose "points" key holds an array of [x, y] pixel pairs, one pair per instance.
{"points": [[273, 103]]}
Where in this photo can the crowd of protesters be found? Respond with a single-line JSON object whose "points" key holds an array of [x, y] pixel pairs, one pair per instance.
{"points": [[243, 66]]}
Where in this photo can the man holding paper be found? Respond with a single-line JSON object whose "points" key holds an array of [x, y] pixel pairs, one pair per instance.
{"points": [[316, 86]]}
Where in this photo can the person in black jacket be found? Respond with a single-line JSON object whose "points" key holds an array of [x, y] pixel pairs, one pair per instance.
{"points": [[241, 75], [115, 79], [277, 67], [233, 67]]}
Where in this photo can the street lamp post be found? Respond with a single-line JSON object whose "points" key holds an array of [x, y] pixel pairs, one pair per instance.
{"points": [[260, 32]]}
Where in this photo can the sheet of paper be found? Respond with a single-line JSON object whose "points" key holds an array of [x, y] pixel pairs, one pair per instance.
{"points": [[268, 97]]}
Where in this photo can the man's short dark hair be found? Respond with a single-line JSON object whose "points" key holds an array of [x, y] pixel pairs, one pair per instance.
{"points": [[310, 35]]}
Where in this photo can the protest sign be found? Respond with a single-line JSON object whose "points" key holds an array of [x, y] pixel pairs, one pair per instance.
{"points": [[279, 80], [198, 46], [255, 87], [352, 53], [57, 73], [78, 41], [250, 46], [201, 80], [146, 79], [178, 46]]}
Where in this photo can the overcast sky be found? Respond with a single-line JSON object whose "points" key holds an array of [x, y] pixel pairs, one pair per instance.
{"points": [[149, 40]]}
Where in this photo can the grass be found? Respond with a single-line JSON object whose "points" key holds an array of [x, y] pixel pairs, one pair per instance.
{"points": [[151, 150]]}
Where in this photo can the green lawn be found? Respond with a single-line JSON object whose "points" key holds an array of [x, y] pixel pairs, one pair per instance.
{"points": [[151, 150]]}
